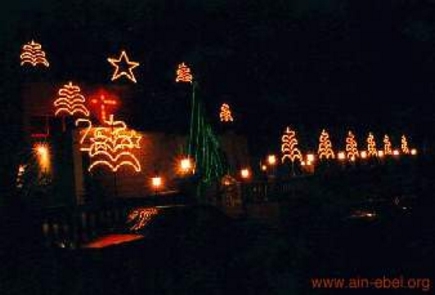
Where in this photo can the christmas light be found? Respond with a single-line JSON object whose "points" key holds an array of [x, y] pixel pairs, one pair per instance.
{"points": [[396, 152], [186, 166], [70, 101], [156, 182], [351, 147], [271, 160], [225, 113], [387, 145], [310, 157], [341, 156], [123, 58], [183, 74], [363, 155], [325, 146], [404, 145], [413, 152], [140, 217], [33, 54], [289, 146], [42, 153], [371, 146], [245, 173], [381, 154], [104, 103], [111, 146]]}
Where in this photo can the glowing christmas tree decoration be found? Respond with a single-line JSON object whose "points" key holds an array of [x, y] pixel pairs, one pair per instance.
{"points": [[387, 146], [103, 103], [33, 54], [111, 146], [225, 114], [351, 147], [70, 101], [183, 74], [128, 73], [404, 145], [325, 146], [289, 146], [371, 146]]}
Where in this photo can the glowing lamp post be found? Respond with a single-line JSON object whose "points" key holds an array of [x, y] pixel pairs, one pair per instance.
{"points": [[156, 183], [186, 166], [245, 173]]}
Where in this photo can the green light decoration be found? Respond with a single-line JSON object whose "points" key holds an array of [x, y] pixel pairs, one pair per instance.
{"points": [[204, 147]]}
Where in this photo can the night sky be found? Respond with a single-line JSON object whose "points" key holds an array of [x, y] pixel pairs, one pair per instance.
{"points": [[311, 64]]}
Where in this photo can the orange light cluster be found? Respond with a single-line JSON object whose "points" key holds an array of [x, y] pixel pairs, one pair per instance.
{"points": [[325, 146], [404, 145], [225, 113], [387, 146], [33, 54], [289, 146], [140, 217], [103, 105], [110, 146], [371, 146], [70, 101], [351, 147], [184, 74], [42, 153], [124, 62]]}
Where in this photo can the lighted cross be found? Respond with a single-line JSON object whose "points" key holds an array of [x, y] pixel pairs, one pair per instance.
{"points": [[102, 102]]}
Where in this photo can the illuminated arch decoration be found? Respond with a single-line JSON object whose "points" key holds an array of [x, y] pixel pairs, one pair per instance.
{"points": [[404, 145], [70, 101], [351, 147], [325, 150], [225, 114], [126, 63], [289, 146], [184, 74], [371, 146], [33, 54], [104, 104], [387, 146], [111, 146]]}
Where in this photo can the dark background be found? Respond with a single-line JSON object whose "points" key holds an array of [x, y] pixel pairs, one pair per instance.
{"points": [[337, 64]]}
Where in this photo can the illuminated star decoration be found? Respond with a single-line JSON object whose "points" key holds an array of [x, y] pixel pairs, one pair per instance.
{"points": [[110, 146], [289, 146], [225, 114], [33, 54], [123, 58], [70, 101], [183, 74]]}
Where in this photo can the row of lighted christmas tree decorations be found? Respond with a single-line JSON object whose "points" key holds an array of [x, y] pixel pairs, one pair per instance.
{"points": [[290, 151]]}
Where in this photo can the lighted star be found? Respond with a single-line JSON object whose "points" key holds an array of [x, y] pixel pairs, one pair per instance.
{"points": [[130, 65]]}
